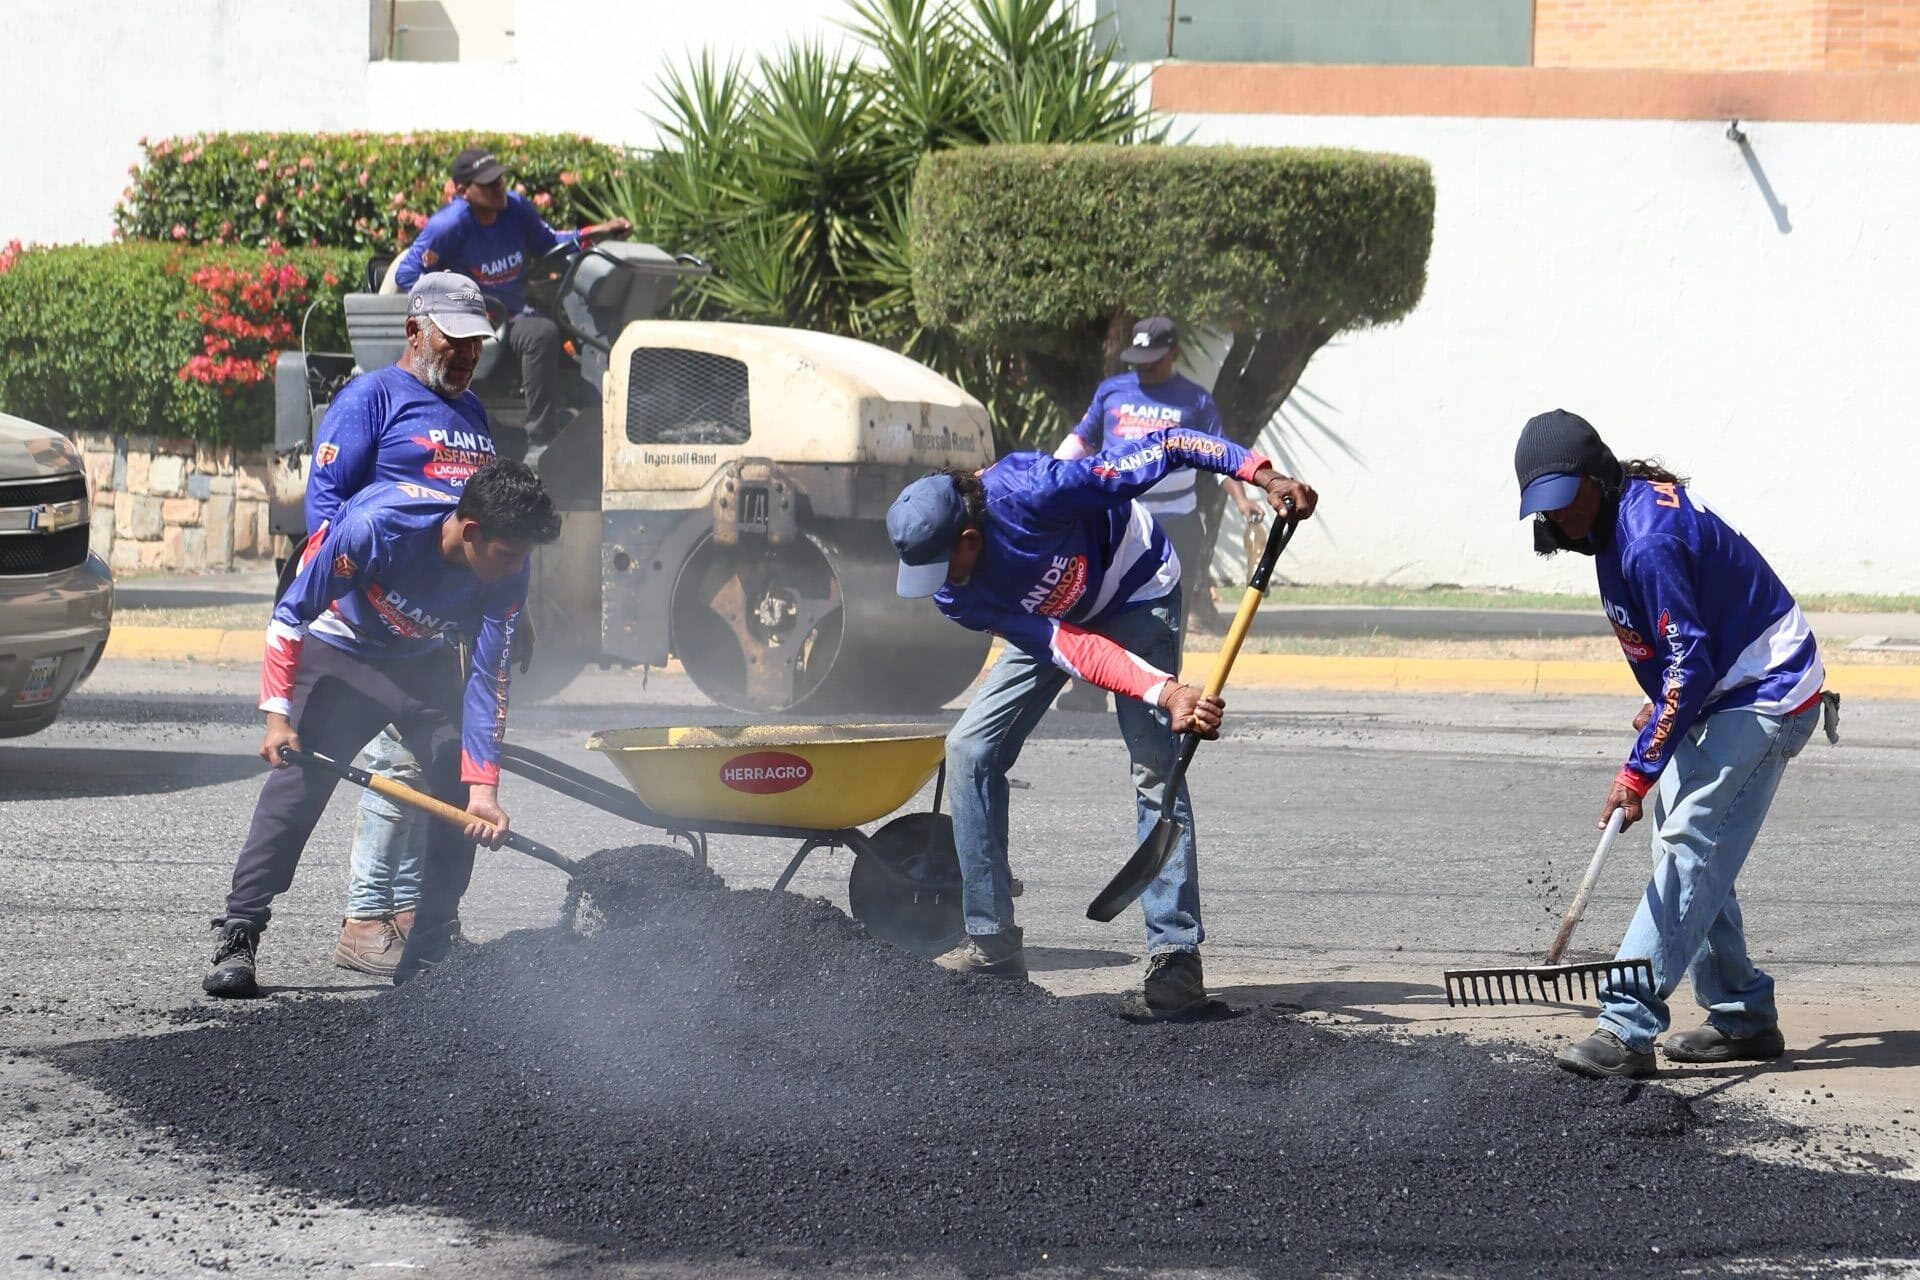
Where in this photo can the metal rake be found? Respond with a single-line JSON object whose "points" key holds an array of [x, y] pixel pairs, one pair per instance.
{"points": [[1546, 983]]}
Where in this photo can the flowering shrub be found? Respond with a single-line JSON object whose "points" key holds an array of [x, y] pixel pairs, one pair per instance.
{"points": [[338, 190], [161, 339]]}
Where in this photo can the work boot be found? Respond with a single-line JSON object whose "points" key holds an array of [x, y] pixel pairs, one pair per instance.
{"points": [[368, 946], [996, 955], [231, 975], [1175, 984], [1604, 1054], [1711, 1044], [403, 922]]}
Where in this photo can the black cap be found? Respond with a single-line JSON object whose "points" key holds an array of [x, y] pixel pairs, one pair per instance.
{"points": [[476, 165], [1556, 449], [1152, 338]]}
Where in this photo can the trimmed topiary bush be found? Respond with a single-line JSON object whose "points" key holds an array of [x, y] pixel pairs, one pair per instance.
{"points": [[369, 190], [161, 339], [1054, 251]]}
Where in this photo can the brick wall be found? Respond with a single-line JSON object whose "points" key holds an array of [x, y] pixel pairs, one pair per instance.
{"points": [[1681, 35], [1728, 35]]}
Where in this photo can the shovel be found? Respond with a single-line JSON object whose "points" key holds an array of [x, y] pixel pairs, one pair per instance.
{"points": [[1148, 860], [400, 793]]}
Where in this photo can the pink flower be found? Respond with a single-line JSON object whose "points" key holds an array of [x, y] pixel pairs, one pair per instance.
{"points": [[364, 176], [568, 178], [179, 231], [133, 169], [189, 156], [306, 162], [446, 190], [541, 199], [143, 139], [279, 217], [260, 165], [260, 201], [226, 228], [399, 198]]}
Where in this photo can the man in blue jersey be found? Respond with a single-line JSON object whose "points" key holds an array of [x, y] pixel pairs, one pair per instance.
{"points": [[417, 421], [1060, 560], [1149, 396], [490, 234], [1733, 680], [398, 566]]}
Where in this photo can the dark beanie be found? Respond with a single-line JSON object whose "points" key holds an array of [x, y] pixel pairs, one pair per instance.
{"points": [[1562, 443]]}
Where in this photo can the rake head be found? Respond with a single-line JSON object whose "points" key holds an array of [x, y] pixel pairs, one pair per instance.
{"points": [[1546, 983]]}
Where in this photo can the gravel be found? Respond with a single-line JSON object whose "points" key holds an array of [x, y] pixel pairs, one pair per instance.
{"points": [[746, 1075]]}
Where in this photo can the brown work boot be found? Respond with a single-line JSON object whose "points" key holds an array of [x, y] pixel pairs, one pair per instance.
{"points": [[368, 946], [403, 922], [995, 955]]}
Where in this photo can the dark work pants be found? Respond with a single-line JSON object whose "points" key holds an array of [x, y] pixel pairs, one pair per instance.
{"points": [[339, 703], [537, 339]]}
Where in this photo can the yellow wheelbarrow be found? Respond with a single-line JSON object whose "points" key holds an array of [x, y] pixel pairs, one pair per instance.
{"points": [[813, 783]]}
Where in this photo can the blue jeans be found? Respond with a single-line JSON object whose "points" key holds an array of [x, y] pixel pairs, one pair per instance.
{"points": [[389, 843], [1706, 813], [982, 747]]}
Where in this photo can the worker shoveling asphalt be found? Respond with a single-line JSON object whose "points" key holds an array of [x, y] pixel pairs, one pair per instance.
{"points": [[746, 1079]]}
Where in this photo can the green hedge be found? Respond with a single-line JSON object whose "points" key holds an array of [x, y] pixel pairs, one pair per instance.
{"points": [[161, 339], [366, 190], [1031, 245]]}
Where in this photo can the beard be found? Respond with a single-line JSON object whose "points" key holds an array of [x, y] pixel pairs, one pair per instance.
{"points": [[437, 373]]}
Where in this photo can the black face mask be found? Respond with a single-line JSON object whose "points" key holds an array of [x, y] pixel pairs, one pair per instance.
{"points": [[1547, 538]]}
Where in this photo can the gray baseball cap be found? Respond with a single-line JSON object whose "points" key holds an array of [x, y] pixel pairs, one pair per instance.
{"points": [[452, 302]]}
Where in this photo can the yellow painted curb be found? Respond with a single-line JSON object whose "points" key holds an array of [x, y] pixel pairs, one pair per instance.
{"points": [[1512, 676]]}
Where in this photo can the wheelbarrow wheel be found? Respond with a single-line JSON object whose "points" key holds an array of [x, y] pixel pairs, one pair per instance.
{"points": [[906, 887]]}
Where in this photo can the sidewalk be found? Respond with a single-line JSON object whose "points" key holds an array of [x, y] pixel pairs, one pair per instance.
{"points": [[1506, 676]]}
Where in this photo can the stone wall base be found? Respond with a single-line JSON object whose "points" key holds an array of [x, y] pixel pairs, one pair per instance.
{"points": [[175, 506]]}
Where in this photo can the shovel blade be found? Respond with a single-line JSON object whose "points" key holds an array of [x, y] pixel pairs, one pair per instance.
{"points": [[1141, 870]]}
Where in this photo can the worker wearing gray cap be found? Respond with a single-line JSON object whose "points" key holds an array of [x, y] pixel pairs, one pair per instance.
{"points": [[415, 421]]}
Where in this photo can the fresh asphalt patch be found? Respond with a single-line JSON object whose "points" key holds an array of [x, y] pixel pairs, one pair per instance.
{"points": [[745, 1077]]}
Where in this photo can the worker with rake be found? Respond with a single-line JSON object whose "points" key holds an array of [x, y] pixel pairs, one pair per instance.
{"points": [[1733, 680], [1060, 559]]}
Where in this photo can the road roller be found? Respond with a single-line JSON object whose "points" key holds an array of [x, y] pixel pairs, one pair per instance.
{"points": [[723, 486]]}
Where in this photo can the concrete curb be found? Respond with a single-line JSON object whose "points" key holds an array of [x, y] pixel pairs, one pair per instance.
{"points": [[1510, 676]]}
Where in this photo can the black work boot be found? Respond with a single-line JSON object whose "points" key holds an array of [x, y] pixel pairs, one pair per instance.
{"points": [[232, 973], [995, 955], [1175, 985], [1604, 1054], [1711, 1044]]}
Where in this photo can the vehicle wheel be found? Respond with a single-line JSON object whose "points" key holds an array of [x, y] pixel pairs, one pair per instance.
{"points": [[906, 888]]}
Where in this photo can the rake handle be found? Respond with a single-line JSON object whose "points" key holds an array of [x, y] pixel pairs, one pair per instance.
{"points": [[400, 793], [1564, 937]]}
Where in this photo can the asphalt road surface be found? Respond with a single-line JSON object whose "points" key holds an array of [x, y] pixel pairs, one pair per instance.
{"points": [[1352, 847]]}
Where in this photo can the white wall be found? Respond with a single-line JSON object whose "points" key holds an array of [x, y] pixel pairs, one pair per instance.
{"points": [[83, 80], [1636, 273]]}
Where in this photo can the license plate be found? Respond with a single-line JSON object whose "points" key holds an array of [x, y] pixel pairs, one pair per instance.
{"points": [[40, 679]]}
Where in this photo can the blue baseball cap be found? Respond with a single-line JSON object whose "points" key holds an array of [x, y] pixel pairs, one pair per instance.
{"points": [[923, 522], [1550, 492]]}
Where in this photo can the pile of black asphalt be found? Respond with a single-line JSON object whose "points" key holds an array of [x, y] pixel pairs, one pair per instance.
{"points": [[747, 1076]]}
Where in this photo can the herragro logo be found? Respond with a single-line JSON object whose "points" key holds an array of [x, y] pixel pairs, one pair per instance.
{"points": [[766, 773]]}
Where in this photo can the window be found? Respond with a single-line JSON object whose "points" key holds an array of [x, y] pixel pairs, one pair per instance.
{"points": [[676, 396], [1487, 33]]}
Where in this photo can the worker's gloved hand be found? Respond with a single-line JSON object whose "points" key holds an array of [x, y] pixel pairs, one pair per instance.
{"points": [[1646, 714], [484, 802], [1192, 711], [1622, 797], [279, 734]]}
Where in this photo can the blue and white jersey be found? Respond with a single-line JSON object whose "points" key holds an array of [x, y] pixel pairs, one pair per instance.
{"points": [[386, 425], [1124, 410], [1705, 622], [1067, 545], [374, 583]]}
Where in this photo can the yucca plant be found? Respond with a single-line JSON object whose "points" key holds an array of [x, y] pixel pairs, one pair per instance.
{"points": [[792, 174]]}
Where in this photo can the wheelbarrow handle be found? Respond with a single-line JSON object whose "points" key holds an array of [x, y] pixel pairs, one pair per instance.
{"points": [[400, 793]]}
